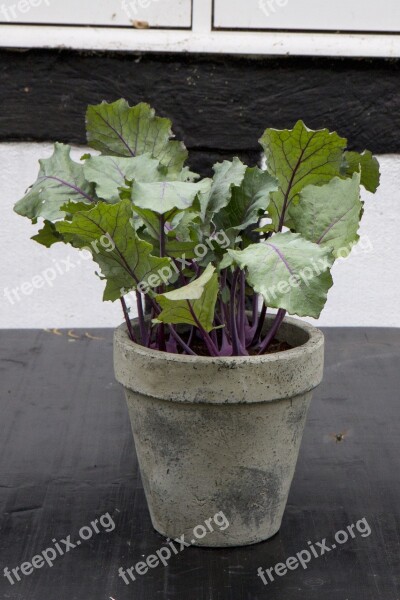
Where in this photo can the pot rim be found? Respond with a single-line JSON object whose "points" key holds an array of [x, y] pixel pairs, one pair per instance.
{"points": [[315, 338], [223, 379]]}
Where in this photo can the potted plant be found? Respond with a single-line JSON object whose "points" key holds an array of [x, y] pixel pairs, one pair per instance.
{"points": [[217, 385]]}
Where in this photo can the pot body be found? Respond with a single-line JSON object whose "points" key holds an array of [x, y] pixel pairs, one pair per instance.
{"points": [[219, 436]]}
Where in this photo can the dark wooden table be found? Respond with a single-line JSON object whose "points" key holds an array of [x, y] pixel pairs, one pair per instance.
{"points": [[67, 458]]}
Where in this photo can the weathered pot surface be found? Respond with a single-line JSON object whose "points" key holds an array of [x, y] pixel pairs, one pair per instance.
{"points": [[219, 434]]}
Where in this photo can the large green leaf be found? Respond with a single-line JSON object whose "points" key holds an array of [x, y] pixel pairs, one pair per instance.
{"points": [[165, 196], [60, 179], [120, 130], [367, 165], [289, 271], [226, 175], [248, 200], [107, 232], [109, 173], [297, 158], [329, 215], [193, 303]]}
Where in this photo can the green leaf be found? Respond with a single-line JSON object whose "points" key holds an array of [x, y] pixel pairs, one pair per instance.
{"points": [[150, 220], [329, 215], [289, 271], [176, 249], [367, 165], [183, 235], [70, 208], [226, 175], [184, 225], [120, 130], [107, 232], [60, 179], [165, 196], [48, 235], [175, 246], [297, 158], [248, 200], [192, 304], [185, 175], [226, 262], [266, 229], [109, 173]]}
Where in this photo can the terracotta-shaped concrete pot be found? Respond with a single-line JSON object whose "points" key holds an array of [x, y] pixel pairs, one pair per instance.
{"points": [[219, 434]]}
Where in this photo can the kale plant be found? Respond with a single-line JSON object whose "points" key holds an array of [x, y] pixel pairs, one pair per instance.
{"points": [[203, 258]]}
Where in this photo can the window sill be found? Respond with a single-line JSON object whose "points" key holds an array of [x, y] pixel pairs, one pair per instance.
{"points": [[216, 42]]}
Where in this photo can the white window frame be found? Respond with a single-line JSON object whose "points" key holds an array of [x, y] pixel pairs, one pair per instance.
{"points": [[201, 39]]}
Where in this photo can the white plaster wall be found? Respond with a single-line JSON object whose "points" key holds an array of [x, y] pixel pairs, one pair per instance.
{"points": [[74, 298], [366, 290]]}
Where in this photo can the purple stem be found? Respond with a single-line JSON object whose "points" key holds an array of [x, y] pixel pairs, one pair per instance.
{"points": [[180, 341], [237, 348], [254, 313], [213, 335], [225, 318], [195, 267], [242, 309], [189, 342], [251, 324], [280, 315], [260, 325], [234, 335], [226, 346], [162, 236], [128, 321], [142, 325], [172, 345], [223, 306], [149, 340], [161, 337], [213, 350], [161, 328]]}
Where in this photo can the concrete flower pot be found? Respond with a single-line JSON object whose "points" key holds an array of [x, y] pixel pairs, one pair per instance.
{"points": [[219, 434]]}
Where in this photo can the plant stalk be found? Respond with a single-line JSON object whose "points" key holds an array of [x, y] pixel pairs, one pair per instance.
{"points": [[280, 315], [127, 320], [142, 324], [213, 350], [260, 325], [180, 341]]}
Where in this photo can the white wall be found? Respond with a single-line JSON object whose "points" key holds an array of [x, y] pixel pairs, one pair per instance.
{"points": [[74, 298], [366, 290]]}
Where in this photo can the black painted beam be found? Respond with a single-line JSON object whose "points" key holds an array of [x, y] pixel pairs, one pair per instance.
{"points": [[220, 105]]}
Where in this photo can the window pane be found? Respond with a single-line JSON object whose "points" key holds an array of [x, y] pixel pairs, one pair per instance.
{"points": [[157, 13], [320, 15]]}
